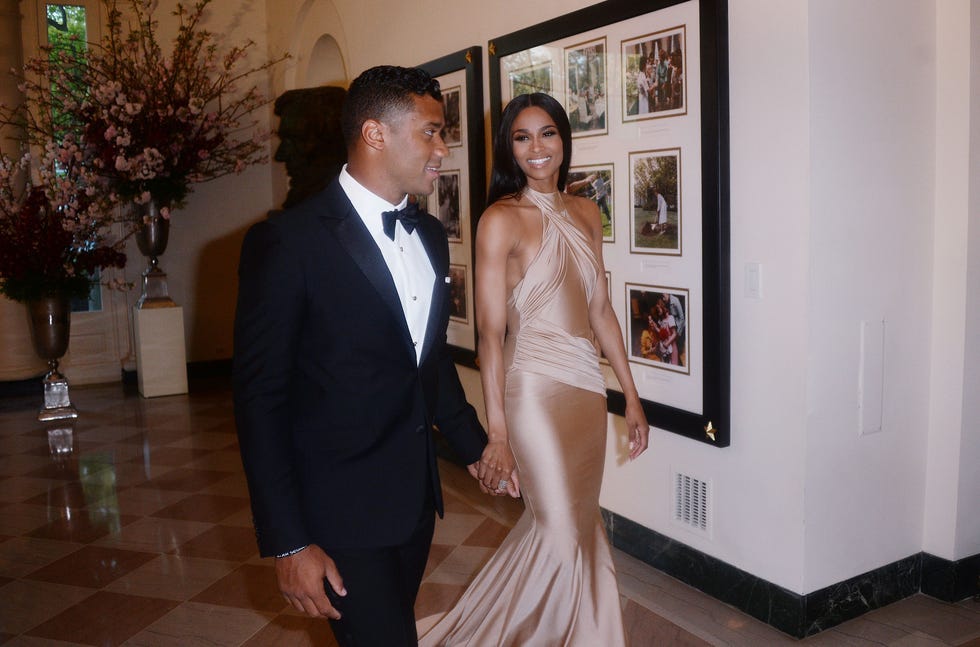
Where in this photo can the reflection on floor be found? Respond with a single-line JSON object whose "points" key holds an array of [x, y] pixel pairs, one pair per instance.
{"points": [[141, 536]]}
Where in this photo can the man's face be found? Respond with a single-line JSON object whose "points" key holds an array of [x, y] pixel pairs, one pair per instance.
{"points": [[414, 149]]}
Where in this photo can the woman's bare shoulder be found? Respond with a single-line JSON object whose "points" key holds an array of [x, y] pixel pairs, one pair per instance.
{"points": [[505, 212]]}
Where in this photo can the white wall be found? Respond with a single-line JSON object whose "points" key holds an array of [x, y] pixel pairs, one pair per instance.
{"points": [[968, 521], [834, 156], [950, 292], [872, 135]]}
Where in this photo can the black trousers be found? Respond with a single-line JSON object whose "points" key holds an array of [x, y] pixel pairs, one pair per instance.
{"points": [[382, 584]]}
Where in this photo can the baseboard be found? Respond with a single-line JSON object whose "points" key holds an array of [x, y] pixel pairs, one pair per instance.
{"points": [[196, 371], [794, 614], [950, 581]]}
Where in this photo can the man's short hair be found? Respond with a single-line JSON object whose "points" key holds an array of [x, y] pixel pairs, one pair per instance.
{"points": [[381, 92]]}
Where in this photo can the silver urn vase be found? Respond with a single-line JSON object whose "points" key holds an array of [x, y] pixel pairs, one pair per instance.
{"points": [[50, 323], [151, 238]]}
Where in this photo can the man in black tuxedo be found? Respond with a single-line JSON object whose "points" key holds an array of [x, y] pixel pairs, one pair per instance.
{"points": [[341, 371]]}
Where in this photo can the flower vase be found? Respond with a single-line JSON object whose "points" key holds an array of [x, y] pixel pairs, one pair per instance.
{"points": [[151, 238], [50, 321]]}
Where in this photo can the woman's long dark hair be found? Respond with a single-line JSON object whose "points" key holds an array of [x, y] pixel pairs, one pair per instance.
{"points": [[507, 177]]}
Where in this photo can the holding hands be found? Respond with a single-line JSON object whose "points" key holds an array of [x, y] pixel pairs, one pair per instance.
{"points": [[497, 470]]}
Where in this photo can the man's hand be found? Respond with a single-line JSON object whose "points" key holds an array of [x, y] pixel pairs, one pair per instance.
{"points": [[300, 578]]}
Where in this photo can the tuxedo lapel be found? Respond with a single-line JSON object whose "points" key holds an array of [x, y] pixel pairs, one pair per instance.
{"points": [[350, 232], [438, 256]]}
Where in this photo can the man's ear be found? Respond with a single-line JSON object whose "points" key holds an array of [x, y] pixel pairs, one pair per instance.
{"points": [[373, 133]]}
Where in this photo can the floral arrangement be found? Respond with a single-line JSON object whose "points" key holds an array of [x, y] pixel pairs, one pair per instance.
{"points": [[152, 123], [53, 232]]}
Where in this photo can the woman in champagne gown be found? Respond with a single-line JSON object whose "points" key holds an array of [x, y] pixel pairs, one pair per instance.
{"points": [[542, 306]]}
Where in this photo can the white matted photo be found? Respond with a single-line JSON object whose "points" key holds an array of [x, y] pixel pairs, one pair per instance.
{"points": [[457, 293], [447, 189], [658, 327], [534, 78], [655, 202], [586, 87], [653, 75], [595, 182], [452, 133]]}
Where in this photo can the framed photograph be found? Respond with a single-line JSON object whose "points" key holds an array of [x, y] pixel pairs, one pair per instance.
{"points": [[655, 202], [657, 327], [447, 190], [653, 75], [536, 78], [422, 201], [452, 133], [458, 290], [595, 182], [674, 207], [585, 88], [460, 193]]}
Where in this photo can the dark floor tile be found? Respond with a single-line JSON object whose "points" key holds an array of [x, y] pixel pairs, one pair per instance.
{"points": [[250, 586], [175, 456], [437, 553], [644, 627], [84, 526], [222, 542], [436, 598], [203, 507], [104, 619], [91, 566], [488, 534], [294, 631], [187, 480]]}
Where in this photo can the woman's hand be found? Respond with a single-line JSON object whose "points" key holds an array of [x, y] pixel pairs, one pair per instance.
{"points": [[637, 428], [496, 466]]}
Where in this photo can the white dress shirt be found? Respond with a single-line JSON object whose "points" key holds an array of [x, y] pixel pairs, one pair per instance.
{"points": [[405, 257]]}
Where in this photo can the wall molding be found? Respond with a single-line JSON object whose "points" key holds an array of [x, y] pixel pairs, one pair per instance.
{"points": [[792, 613]]}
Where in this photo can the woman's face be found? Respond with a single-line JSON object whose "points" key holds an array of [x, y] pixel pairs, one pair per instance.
{"points": [[537, 148]]}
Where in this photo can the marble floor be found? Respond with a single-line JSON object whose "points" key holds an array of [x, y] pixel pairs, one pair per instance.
{"points": [[140, 535]]}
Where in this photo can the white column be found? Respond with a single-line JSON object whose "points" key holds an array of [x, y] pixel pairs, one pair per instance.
{"points": [[17, 358]]}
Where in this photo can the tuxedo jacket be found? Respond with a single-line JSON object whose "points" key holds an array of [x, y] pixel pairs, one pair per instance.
{"points": [[334, 413]]}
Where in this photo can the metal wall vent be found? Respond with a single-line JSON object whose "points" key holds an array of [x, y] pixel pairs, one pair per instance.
{"points": [[692, 500]]}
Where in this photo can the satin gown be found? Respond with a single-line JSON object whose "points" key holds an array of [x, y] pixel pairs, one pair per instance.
{"points": [[552, 582]]}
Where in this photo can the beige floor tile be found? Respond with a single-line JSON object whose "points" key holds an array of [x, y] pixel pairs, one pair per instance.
{"points": [[201, 625], [155, 535], [460, 566], [172, 577], [454, 528]]}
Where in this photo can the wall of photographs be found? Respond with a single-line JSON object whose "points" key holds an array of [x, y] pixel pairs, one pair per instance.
{"points": [[647, 102], [459, 195]]}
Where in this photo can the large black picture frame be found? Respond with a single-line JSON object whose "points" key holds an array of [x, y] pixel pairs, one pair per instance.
{"points": [[469, 61], [711, 424]]}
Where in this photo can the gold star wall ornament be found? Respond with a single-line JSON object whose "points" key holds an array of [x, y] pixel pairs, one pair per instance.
{"points": [[709, 431], [492, 49], [469, 56]]}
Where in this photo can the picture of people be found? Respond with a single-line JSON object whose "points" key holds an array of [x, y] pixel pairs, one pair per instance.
{"points": [[585, 71], [658, 327], [536, 78], [655, 214], [596, 183], [452, 133], [421, 200], [654, 76], [457, 293], [449, 214]]}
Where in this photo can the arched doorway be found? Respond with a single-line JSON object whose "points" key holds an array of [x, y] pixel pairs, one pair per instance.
{"points": [[326, 64]]}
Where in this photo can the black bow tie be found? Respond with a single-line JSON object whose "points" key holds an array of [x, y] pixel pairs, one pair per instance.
{"points": [[409, 217]]}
